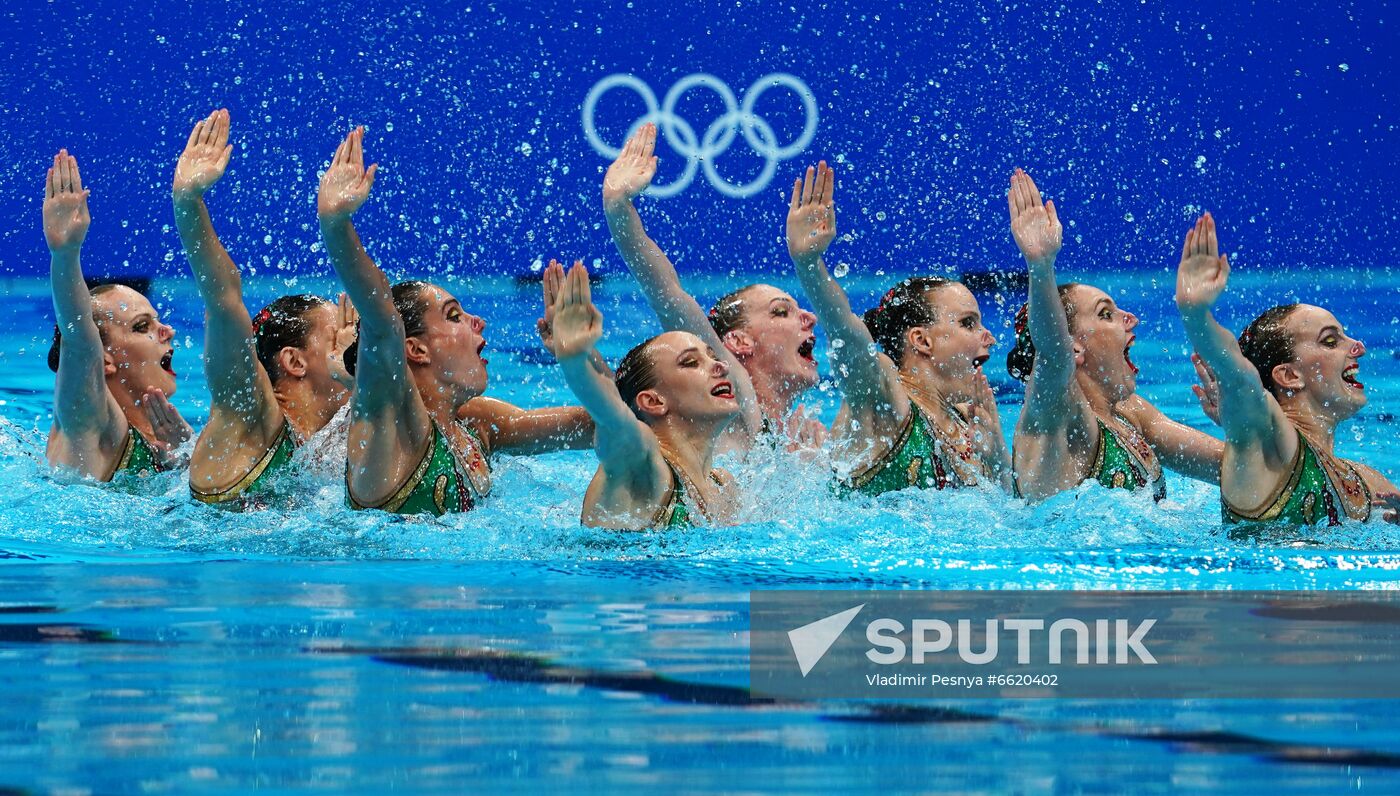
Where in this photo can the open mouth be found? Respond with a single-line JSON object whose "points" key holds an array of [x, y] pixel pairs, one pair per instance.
{"points": [[1127, 358], [165, 362], [479, 349], [1349, 376], [805, 350], [977, 362], [723, 390]]}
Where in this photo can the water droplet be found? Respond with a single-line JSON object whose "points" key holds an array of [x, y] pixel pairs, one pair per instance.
{"points": [[1344, 67], [840, 270]]}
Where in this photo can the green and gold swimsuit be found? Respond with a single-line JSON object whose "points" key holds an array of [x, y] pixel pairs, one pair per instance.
{"points": [[137, 458], [674, 514], [260, 479], [918, 457], [1118, 466], [1318, 487], [442, 482]]}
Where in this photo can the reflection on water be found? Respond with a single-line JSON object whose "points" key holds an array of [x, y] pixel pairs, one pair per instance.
{"points": [[415, 675]]}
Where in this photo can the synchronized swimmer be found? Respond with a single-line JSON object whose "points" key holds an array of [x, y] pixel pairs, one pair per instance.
{"points": [[394, 374]]}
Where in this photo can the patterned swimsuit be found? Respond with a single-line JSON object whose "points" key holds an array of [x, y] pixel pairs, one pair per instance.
{"points": [[259, 480], [919, 457], [1318, 487], [442, 482]]}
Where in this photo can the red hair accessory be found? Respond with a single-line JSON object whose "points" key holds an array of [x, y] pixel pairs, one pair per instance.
{"points": [[261, 318]]}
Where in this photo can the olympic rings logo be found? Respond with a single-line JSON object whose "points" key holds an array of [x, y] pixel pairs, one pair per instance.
{"points": [[700, 153]]}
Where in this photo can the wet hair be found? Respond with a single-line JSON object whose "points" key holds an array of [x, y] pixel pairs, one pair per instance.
{"points": [[411, 300], [283, 324], [727, 314], [635, 373], [56, 348], [902, 308], [1020, 360], [1267, 344]]}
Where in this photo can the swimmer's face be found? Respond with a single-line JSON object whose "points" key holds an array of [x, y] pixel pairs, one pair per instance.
{"points": [[691, 381], [777, 339], [1326, 361], [325, 353], [955, 343], [1103, 333], [139, 352], [454, 341]]}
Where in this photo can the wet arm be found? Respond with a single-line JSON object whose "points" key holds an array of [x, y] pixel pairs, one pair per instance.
{"points": [[1035, 225], [82, 403], [236, 380], [1192, 453], [867, 378], [530, 431], [676, 309], [1248, 413], [382, 379]]}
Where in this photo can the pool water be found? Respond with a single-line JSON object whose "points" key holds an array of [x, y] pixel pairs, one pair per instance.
{"points": [[153, 644]]}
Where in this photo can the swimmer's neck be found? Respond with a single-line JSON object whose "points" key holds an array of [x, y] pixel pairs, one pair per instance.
{"points": [[442, 405], [926, 385], [775, 395], [1101, 403], [1317, 424], [308, 409], [132, 409], [690, 446]]}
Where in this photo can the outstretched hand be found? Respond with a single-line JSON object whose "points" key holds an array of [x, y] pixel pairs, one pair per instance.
{"points": [[1389, 504], [205, 157], [1034, 224], [347, 324], [66, 217], [577, 324], [983, 414], [811, 219], [1203, 273], [1208, 391], [171, 430], [346, 184], [633, 170], [553, 282]]}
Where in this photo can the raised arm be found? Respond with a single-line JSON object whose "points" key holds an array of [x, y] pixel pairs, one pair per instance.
{"points": [[236, 381], [1248, 413], [627, 450], [1036, 227], [82, 403], [677, 310], [626, 178], [868, 379], [381, 374]]}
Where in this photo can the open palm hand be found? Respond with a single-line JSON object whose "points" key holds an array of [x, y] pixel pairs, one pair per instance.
{"points": [[66, 217], [1203, 272], [1034, 223], [633, 170], [811, 218], [205, 157], [346, 184], [577, 324]]}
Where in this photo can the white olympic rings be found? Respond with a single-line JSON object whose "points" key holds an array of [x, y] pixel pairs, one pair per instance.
{"points": [[701, 153]]}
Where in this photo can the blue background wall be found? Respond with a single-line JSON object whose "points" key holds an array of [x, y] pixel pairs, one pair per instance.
{"points": [[1132, 115]]}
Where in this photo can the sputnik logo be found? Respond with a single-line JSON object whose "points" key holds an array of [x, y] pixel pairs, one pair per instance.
{"points": [[810, 642]]}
